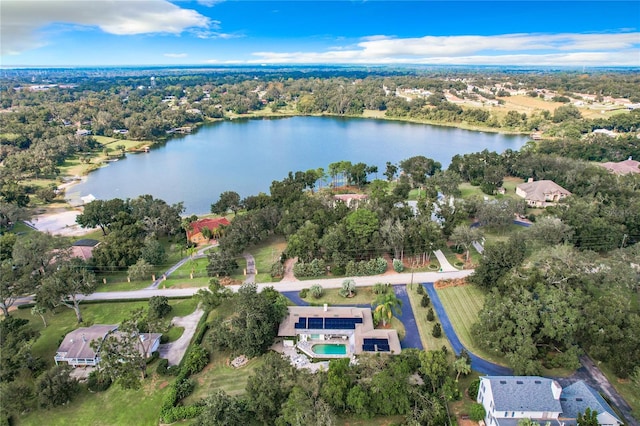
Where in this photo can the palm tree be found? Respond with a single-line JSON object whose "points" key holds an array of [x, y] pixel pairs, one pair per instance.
{"points": [[387, 305]]}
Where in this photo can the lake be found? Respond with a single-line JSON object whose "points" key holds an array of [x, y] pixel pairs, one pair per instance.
{"points": [[245, 156]]}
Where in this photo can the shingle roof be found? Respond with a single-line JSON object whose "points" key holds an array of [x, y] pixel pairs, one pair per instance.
{"points": [[212, 224], [525, 393], [537, 190], [77, 343], [622, 167], [576, 398]]}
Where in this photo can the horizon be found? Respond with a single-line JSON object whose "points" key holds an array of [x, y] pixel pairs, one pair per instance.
{"points": [[378, 33]]}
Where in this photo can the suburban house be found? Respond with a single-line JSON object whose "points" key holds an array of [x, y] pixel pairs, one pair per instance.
{"points": [[349, 330], [509, 399], [83, 248], [622, 167], [76, 349], [351, 200], [194, 232], [541, 193]]}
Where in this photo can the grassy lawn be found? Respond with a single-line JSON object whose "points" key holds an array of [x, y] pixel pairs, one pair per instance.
{"points": [[63, 320], [462, 304], [266, 254], [112, 407], [219, 375], [624, 388], [425, 327], [364, 295]]}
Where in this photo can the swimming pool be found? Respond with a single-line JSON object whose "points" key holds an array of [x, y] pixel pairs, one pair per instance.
{"points": [[330, 349]]}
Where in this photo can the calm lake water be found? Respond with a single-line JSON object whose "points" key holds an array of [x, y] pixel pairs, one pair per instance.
{"points": [[245, 156]]}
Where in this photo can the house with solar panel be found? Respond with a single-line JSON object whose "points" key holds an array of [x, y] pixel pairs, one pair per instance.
{"points": [[336, 332], [509, 399]]}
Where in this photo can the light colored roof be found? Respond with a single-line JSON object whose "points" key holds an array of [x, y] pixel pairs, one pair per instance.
{"points": [[77, 343], [349, 197], [82, 252], [524, 393], [365, 330], [537, 190], [622, 167], [576, 398]]}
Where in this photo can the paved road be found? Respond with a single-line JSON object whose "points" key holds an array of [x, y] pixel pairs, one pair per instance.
{"points": [[200, 253], [481, 365], [174, 351], [445, 266]]}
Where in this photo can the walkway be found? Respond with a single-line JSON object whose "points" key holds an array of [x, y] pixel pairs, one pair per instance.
{"points": [[477, 363], [445, 266], [250, 272], [174, 351], [197, 255]]}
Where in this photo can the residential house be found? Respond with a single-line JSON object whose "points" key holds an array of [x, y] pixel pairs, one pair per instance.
{"points": [[76, 349], [350, 327], [579, 396], [622, 167], [83, 248], [509, 399], [351, 200], [194, 232], [541, 193]]}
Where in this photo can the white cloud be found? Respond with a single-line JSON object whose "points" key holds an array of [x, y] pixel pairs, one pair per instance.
{"points": [[23, 20], [175, 55], [508, 49]]}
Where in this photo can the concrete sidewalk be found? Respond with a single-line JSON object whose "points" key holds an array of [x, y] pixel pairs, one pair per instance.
{"points": [[445, 266]]}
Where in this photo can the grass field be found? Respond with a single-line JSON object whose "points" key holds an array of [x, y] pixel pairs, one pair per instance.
{"points": [[463, 303], [112, 407], [364, 295], [426, 327], [625, 389]]}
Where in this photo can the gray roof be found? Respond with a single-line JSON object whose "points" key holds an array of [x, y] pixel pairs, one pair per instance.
{"points": [[77, 343], [524, 393], [576, 398], [538, 190]]}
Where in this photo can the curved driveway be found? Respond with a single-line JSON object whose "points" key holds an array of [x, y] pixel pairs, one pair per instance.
{"points": [[477, 363]]}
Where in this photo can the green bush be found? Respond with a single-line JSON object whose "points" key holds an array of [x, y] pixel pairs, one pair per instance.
{"points": [[197, 359], [437, 330], [477, 412], [398, 266], [97, 382], [380, 288], [375, 266], [473, 389], [316, 291], [174, 414], [162, 368], [430, 315], [159, 306], [425, 301], [315, 268], [420, 289], [303, 293]]}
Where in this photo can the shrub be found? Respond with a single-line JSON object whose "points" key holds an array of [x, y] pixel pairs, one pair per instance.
{"points": [[197, 359], [398, 266], [430, 315], [477, 412], [315, 268], [316, 291], [277, 270], [162, 368], [437, 330], [303, 293], [380, 288], [97, 382], [348, 288], [420, 289], [424, 302], [473, 389]]}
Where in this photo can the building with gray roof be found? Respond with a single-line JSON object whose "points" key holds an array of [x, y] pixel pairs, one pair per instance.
{"points": [[579, 396]]}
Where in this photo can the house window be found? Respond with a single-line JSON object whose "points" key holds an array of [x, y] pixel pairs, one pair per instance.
{"points": [[506, 413]]}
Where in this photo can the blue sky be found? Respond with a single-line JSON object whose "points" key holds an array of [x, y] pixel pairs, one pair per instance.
{"points": [[209, 32]]}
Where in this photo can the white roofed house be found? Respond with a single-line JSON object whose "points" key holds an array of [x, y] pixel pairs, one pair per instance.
{"points": [[541, 193], [77, 351]]}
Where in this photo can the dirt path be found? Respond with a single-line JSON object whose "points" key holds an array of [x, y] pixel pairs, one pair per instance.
{"points": [[288, 270]]}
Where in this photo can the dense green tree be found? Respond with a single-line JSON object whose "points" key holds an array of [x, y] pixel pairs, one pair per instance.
{"points": [[16, 338], [64, 286], [220, 409], [101, 213], [229, 200], [221, 264], [269, 388], [56, 387]]}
